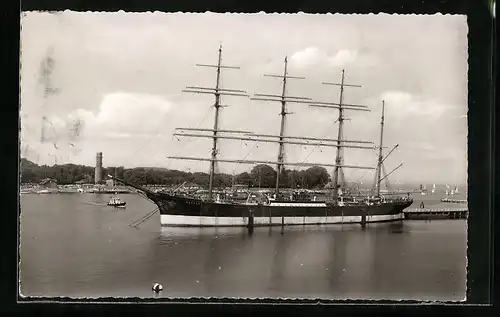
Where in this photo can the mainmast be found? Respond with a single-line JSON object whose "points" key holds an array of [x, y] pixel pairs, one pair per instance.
{"points": [[338, 172], [282, 129], [217, 91], [283, 99]]}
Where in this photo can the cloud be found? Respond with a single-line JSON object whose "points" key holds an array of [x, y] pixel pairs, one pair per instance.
{"points": [[307, 57], [122, 122], [342, 58], [405, 104], [313, 56], [375, 50], [121, 115]]}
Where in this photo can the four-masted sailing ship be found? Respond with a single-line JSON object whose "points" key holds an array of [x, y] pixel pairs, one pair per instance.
{"points": [[261, 209]]}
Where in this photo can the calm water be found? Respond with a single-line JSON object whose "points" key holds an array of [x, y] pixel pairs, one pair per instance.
{"points": [[73, 246]]}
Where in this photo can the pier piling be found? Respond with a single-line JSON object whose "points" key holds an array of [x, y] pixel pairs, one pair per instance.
{"points": [[363, 219], [250, 225]]}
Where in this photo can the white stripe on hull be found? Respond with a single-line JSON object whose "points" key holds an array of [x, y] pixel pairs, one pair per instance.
{"points": [[197, 221], [281, 204]]}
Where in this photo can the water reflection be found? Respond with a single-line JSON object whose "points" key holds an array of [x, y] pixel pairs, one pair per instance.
{"points": [[75, 249], [278, 262]]}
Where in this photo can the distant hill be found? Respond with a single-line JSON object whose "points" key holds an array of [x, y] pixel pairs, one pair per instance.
{"points": [[260, 176]]}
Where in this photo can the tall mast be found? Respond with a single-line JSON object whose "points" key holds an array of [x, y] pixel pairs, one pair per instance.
{"points": [[217, 91], [380, 158], [283, 98], [216, 126], [279, 166], [340, 134], [338, 157]]}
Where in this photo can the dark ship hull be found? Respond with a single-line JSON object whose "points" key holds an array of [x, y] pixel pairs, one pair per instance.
{"points": [[191, 212]]}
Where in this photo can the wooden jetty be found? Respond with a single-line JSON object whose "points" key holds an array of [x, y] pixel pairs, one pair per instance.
{"points": [[457, 201], [436, 213]]}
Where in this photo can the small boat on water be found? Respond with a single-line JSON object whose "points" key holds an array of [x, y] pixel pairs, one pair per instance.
{"points": [[46, 191], [116, 202]]}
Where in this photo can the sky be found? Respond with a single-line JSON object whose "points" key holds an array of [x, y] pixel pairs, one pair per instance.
{"points": [[116, 80]]}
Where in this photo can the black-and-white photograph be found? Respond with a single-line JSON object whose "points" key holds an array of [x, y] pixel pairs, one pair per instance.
{"points": [[197, 155]]}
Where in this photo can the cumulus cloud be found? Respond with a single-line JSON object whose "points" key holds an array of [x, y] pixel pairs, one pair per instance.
{"points": [[342, 58], [406, 104], [307, 57], [120, 115], [312, 56]]}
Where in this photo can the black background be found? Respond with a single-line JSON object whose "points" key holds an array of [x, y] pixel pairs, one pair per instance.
{"points": [[481, 159]]}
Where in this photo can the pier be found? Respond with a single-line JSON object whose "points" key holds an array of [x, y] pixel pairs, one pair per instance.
{"points": [[457, 201], [436, 213]]}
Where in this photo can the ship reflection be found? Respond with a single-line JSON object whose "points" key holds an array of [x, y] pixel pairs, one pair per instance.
{"points": [[304, 262], [396, 227], [195, 232]]}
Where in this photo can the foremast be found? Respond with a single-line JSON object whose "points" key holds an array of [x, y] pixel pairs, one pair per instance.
{"points": [[217, 92]]}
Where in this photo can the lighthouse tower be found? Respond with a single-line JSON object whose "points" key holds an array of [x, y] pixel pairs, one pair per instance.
{"points": [[98, 168]]}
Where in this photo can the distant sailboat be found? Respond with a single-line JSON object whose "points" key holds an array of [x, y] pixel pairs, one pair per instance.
{"points": [[433, 188], [423, 189]]}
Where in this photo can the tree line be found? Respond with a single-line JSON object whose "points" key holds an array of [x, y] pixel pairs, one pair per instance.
{"points": [[259, 176]]}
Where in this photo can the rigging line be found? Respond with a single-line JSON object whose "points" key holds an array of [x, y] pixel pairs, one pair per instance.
{"points": [[251, 149], [387, 183], [191, 138], [350, 173], [156, 134], [146, 142], [315, 147], [144, 218], [364, 174]]}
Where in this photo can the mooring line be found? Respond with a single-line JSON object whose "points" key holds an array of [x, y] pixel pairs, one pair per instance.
{"points": [[144, 218], [144, 215]]}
